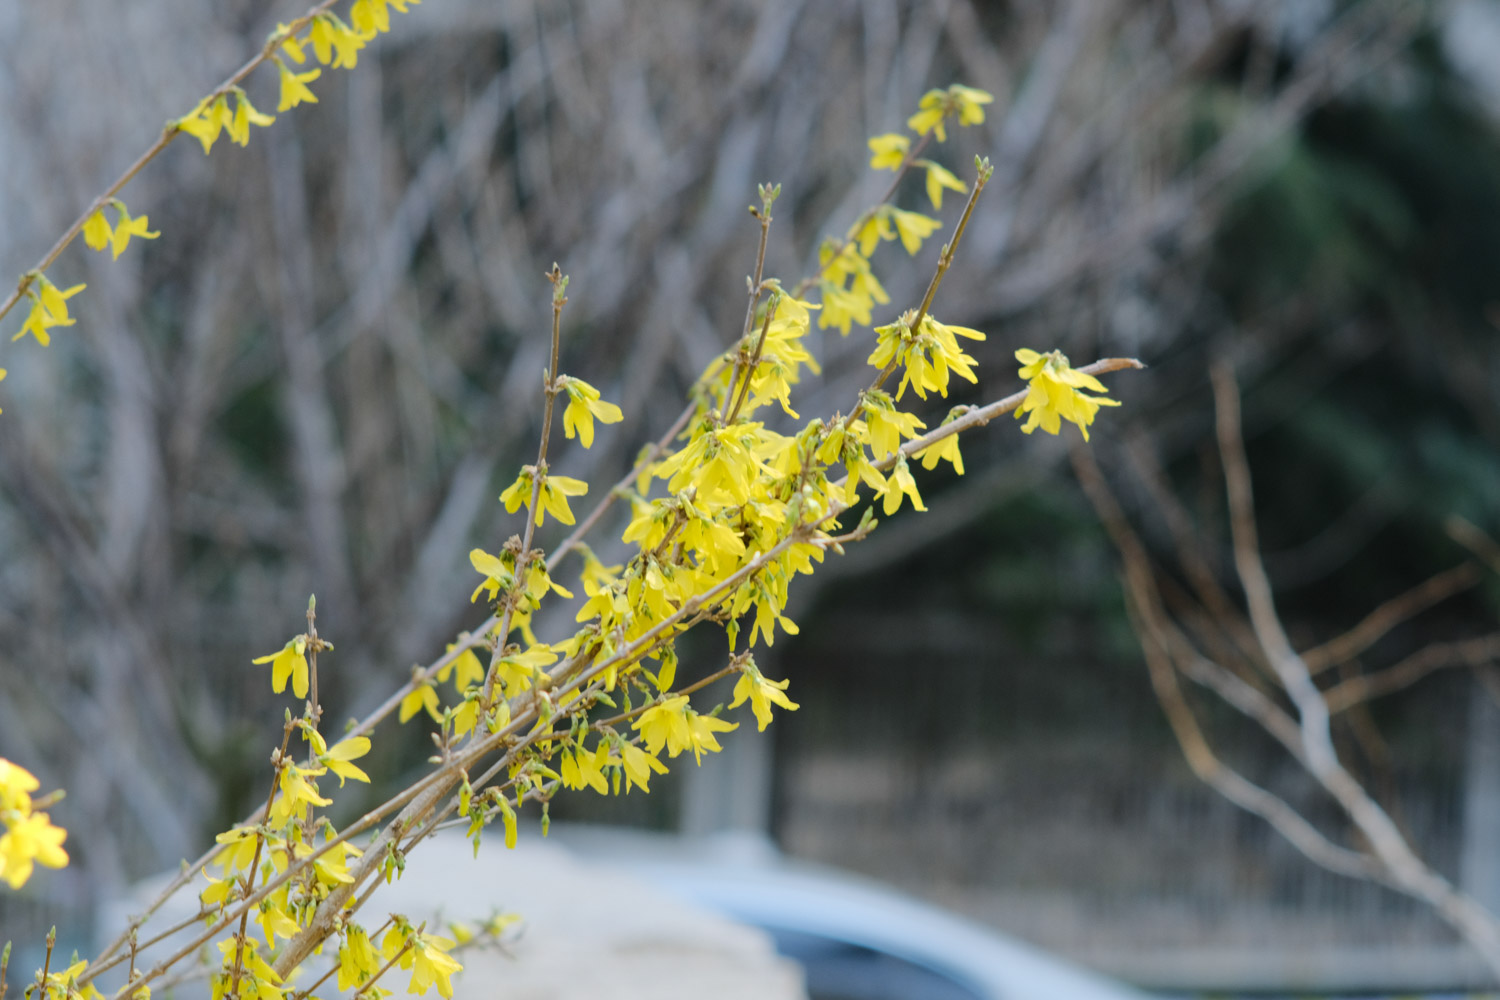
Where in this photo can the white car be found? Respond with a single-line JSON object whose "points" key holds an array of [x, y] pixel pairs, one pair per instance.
{"points": [[855, 938]]}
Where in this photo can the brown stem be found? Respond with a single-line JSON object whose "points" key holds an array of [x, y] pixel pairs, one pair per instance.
{"points": [[523, 558], [748, 371]]}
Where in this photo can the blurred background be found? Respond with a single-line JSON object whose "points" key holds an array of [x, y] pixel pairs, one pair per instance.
{"points": [[323, 373]]}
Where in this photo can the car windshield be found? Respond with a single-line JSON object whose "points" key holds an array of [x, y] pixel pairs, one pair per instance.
{"points": [[837, 970]]}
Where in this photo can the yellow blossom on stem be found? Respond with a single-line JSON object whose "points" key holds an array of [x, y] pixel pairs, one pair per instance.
{"points": [[497, 572], [936, 105], [870, 230], [297, 792], [1055, 393], [887, 425], [334, 42], [337, 759], [431, 965], [947, 448], [913, 228], [290, 43], [128, 227], [245, 115], [971, 102], [638, 766], [939, 178], [584, 407], [30, 839], [581, 769], [294, 89], [554, 498], [469, 669], [762, 693], [900, 483], [96, 231], [16, 786], [288, 662], [206, 121], [890, 151], [419, 698], [49, 308], [665, 724], [701, 734], [357, 961]]}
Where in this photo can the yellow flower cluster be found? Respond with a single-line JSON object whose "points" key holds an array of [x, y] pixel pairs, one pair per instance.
{"points": [[1054, 393], [848, 288], [29, 839]]}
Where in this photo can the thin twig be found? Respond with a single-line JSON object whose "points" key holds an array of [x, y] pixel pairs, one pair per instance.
{"points": [[538, 478], [1467, 653], [1390, 614], [168, 134]]}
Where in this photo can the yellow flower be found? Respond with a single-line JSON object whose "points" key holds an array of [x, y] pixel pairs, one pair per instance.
{"points": [[470, 670], [936, 105], [970, 101], [913, 228], [900, 483], [874, 227], [357, 961], [930, 114], [555, 493], [239, 849], [128, 227], [1054, 394], [30, 839], [887, 425], [890, 151], [638, 767], [206, 121], [96, 231], [16, 786], [245, 115], [939, 178], [38, 322], [432, 965], [288, 662], [583, 769], [341, 753], [497, 573], [294, 89], [762, 694], [274, 919], [665, 724], [293, 46], [946, 448], [333, 41], [421, 697], [517, 671], [297, 793], [55, 300], [701, 736], [370, 17], [584, 407]]}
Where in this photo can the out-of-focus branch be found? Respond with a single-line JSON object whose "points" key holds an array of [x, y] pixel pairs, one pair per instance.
{"points": [[1398, 609], [1149, 621], [1473, 653]]}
